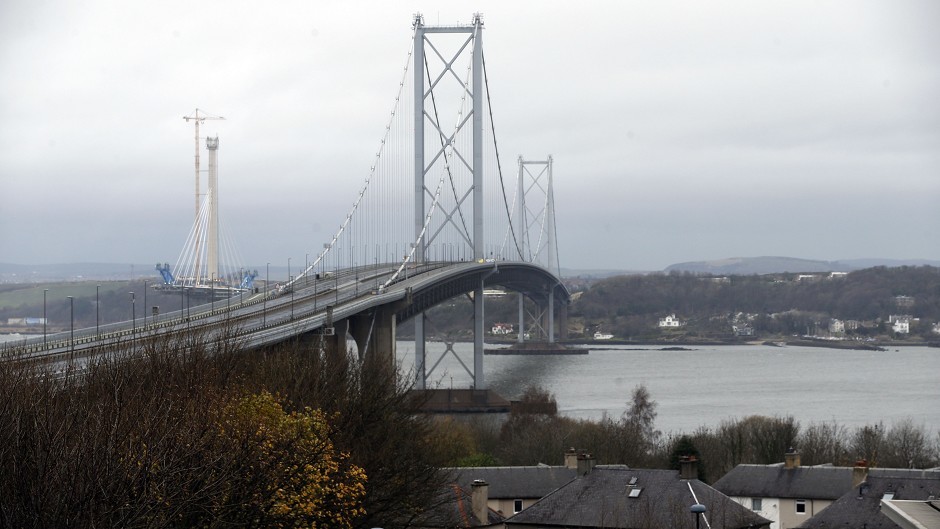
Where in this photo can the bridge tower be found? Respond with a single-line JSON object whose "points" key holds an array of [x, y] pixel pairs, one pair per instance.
{"points": [[535, 213], [426, 112], [212, 257]]}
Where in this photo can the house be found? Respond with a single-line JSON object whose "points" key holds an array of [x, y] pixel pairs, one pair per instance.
{"points": [[862, 506], [620, 497], [836, 326], [742, 329], [602, 336], [501, 328], [904, 301], [900, 324], [512, 489], [670, 322], [786, 493]]}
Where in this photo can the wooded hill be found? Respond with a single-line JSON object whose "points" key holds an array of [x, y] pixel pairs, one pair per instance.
{"points": [[630, 306]]}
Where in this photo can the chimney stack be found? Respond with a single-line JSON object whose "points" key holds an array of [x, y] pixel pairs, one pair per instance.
{"points": [[688, 467], [585, 464], [571, 458], [480, 492], [859, 472], [791, 459]]}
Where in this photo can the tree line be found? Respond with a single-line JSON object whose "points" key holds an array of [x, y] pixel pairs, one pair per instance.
{"points": [[535, 434]]}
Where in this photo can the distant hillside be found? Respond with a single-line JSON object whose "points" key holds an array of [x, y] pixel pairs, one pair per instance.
{"points": [[779, 265]]}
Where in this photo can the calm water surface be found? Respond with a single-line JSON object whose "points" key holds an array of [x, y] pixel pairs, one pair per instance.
{"points": [[705, 385]]}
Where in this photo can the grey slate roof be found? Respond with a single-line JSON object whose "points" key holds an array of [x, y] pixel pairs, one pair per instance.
{"points": [[601, 499], [776, 481], [512, 483], [861, 506], [453, 508]]}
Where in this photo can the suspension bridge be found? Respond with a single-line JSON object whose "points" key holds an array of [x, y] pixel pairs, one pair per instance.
{"points": [[436, 217]]}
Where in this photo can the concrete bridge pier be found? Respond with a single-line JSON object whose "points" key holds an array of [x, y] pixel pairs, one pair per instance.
{"points": [[374, 332]]}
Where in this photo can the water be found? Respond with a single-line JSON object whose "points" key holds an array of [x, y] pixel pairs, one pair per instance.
{"points": [[705, 385]]}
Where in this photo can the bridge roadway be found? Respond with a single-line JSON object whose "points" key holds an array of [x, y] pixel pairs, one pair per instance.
{"points": [[274, 316]]}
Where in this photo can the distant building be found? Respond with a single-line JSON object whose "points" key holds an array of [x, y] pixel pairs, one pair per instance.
{"points": [[670, 322], [836, 326], [904, 301], [602, 336], [838, 275], [900, 324], [501, 328], [742, 329]]}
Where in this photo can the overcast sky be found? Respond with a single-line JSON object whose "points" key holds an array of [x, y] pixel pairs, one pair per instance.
{"points": [[680, 130]]}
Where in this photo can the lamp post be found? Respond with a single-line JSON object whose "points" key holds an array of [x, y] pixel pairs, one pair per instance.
{"points": [[97, 312], [698, 509], [264, 299], [145, 304], [291, 298], [44, 316], [133, 315], [71, 323], [306, 266]]}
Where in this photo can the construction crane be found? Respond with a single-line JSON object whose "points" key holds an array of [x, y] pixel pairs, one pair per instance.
{"points": [[197, 119]]}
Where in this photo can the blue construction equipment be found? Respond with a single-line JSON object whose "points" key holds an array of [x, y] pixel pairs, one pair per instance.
{"points": [[248, 281], [165, 272]]}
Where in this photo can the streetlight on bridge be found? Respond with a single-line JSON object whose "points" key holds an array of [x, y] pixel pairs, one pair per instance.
{"points": [[133, 315], [264, 298], [97, 312], [44, 291], [72, 323]]}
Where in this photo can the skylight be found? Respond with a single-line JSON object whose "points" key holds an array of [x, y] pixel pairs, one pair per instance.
{"points": [[635, 493]]}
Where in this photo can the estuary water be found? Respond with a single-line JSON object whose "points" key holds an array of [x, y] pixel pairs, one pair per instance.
{"points": [[707, 384]]}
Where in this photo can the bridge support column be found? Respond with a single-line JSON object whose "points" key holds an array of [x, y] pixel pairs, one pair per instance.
{"points": [[551, 316], [521, 338], [336, 344], [420, 374], [563, 321], [374, 332], [478, 382]]}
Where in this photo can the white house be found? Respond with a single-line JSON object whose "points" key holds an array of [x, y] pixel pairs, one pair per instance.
{"points": [[502, 328], [670, 321], [901, 326], [836, 326]]}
